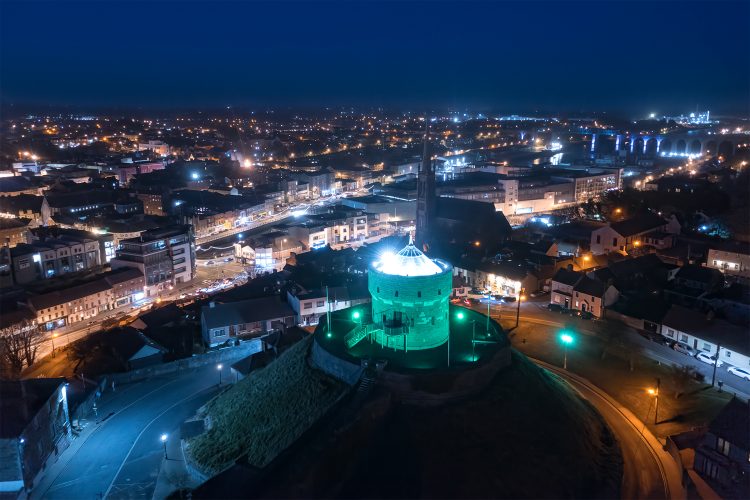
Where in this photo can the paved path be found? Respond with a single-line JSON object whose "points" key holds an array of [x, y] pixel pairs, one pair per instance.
{"points": [[648, 470], [120, 455]]}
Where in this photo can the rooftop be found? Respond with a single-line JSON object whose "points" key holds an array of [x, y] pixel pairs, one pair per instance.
{"points": [[410, 261], [21, 400]]}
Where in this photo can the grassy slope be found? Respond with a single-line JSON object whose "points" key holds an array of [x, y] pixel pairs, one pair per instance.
{"points": [[263, 414], [528, 436]]}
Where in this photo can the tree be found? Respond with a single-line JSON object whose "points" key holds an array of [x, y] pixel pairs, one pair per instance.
{"points": [[681, 377], [18, 347]]}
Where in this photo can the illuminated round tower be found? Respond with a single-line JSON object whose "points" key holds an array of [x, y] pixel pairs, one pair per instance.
{"points": [[410, 297]]}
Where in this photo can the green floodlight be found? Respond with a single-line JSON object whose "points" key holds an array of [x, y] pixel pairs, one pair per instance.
{"points": [[460, 315], [355, 315], [329, 335], [566, 338]]}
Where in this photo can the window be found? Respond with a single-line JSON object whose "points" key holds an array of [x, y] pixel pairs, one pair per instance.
{"points": [[706, 346], [320, 303], [440, 292], [728, 354], [377, 289], [598, 239], [396, 294], [723, 446], [683, 338], [308, 305], [419, 294], [614, 242]]}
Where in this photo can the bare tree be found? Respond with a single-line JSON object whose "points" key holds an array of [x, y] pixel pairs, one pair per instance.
{"points": [[18, 347], [681, 377]]}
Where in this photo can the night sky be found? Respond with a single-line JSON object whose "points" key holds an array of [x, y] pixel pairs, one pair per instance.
{"points": [[632, 57]]}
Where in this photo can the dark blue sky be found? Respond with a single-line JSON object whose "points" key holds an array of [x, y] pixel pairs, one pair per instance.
{"points": [[627, 56]]}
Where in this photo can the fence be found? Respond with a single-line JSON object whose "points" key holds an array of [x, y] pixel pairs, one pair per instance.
{"points": [[226, 355]]}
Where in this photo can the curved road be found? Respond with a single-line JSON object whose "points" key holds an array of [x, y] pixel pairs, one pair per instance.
{"points": [[121, 455], [648, 471]]}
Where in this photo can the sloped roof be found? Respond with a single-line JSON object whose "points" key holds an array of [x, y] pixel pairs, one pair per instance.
{"points": [[567, 277], [638, 225], [590, 286], [733, 423], [698, 273], [245, 311], [58, 297], [21, 400]]}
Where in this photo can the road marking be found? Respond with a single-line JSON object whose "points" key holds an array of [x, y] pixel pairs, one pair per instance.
{"points": [[106, 493], [52, 485]]}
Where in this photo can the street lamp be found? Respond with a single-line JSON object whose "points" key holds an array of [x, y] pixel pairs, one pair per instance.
{"points": [[655, 394], [164, 442], [521, 297], [473, 338], [219, 367], [567, 340], [53, 343]]}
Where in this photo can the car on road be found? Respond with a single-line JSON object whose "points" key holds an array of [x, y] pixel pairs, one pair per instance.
{"points": [[683, 348], [476, 294], [555, 308], [229, 259], [210, 263], [708, 359], [740, 372], [508, 298]]}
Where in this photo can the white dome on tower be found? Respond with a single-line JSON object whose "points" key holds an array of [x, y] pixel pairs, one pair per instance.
{"points": [[410, 261]]}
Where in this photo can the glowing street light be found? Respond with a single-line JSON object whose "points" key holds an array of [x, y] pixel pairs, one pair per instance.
{"points": [[655, 393], [53, 343], [219, 367], [567, 340], [164, 438]]}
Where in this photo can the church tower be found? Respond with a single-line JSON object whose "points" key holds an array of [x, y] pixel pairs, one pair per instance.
{"points": [[425, 197]]}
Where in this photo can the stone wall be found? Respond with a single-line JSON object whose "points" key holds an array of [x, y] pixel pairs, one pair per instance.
{"points": [[338, 368]]}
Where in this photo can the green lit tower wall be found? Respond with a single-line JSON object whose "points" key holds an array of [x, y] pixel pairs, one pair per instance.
{"points": [[410, 300]]}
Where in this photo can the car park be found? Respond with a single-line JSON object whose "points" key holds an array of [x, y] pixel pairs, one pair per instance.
{"points": [[683, 348], [740, 372], [708, 359]]}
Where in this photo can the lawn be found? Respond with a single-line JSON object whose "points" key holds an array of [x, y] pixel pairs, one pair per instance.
{"points": [[265, 413]]}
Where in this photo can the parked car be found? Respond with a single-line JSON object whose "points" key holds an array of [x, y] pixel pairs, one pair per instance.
{"points": [[229, 259], [708, 359], [555, 307], [509, 298], [475, 293], [210, 263], [669, 342], [684, 349], [740, 372], [586, 315]]}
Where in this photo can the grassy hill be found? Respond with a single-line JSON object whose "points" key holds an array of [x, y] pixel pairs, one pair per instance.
{"points": [[528, 435], [263, 414]]}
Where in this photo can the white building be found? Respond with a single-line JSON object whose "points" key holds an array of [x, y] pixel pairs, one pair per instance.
{"points": [[626, 235], [310, 305], [702, 333], [732, 260]]}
